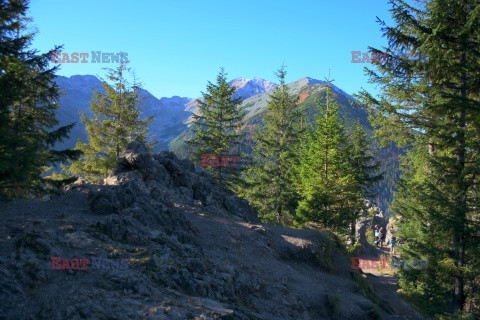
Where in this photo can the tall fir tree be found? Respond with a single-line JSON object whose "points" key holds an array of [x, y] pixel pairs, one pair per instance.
{"points": [[28, 103], [432, 106], [325, 178], [116, 122], [269, 181], [363, 161], [366, 168], [216, 132]]}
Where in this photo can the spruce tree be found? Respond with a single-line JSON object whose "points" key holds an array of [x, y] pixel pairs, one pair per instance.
{"points": [[432, 106], [28, 103], [366, 169], [325, 177], [115, 123], [363, 161], [216, 132], [269, 181]]}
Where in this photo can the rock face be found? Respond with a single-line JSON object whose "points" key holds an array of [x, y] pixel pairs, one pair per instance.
{"points": [[364, 223], [164, 179], [391, 228], [247, 88], [164, 241]]}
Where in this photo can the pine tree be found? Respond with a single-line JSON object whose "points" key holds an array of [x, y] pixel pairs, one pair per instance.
{"points": [[366, 169], [432, 106], [216, 132], [363, 161], [269, 181], [115, 123], [325, 177], [28, 104]]}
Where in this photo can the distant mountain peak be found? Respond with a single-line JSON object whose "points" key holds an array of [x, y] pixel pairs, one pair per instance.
{"points": [[306, 81], [240, 82], [176, 99], [83, 76], [250, 87]]}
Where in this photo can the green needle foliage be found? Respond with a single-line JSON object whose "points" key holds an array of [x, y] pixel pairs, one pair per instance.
{"points": [[115, 123], [216, 130], [28, 94], [366, 169], [361, 157], [325, 177], [269, 182], [430, 103]]}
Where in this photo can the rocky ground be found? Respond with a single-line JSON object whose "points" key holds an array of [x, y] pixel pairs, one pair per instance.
{"points": [[194, 251], [386, 286]]}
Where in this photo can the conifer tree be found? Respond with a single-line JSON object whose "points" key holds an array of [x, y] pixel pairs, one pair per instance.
{"points": [[115, 123], [363, 160], [28, 104], [366, 169], [326, 179], [269, 181], [432, 106], [216, 132]]}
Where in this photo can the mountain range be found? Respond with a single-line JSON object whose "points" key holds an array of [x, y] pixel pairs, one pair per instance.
{"points": [[78, 91], [170, 113], [172, 124]]}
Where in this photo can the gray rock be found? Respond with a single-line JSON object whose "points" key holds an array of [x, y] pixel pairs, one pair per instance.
{"points": [[104, 203], [136, 156]]}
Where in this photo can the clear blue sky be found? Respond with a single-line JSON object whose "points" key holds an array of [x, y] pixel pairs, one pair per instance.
{"points": [[176, 46]]}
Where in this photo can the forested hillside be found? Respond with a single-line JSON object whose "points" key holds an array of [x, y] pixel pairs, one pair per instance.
{"points": [[308, 90]]}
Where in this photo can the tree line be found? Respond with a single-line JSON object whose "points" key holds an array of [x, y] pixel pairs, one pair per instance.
{"points": [[298, 173]]}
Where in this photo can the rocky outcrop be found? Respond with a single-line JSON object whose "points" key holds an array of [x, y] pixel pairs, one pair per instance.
{"points": [[163, 179], [164, 241], [391, 228], [369, 218]]}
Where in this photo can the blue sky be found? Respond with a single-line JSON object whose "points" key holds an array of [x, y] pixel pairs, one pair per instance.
{"points": [[177, 46]]}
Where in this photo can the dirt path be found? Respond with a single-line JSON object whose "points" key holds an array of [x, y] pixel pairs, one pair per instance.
{"points": [[278, 261], [386, 286]]}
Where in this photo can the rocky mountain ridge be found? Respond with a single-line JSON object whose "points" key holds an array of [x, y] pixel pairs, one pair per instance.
{"points": [[78, 91], [170, 113], [250, 87]]}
